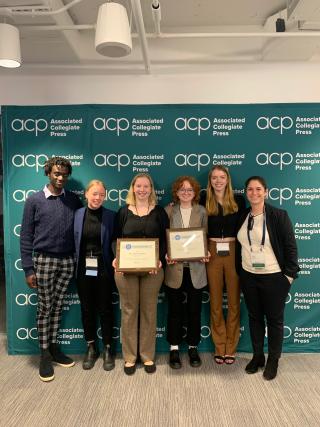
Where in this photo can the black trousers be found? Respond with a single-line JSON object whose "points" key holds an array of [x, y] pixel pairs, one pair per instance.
{"points": [[188, 314], [95, 294], [265, 296]]}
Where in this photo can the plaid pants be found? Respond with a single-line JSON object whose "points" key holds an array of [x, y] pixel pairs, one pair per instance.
{"points": [[53, 277]]}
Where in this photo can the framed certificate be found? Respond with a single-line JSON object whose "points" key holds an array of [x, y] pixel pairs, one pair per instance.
{"points": [[137, 255], [187, 244]]}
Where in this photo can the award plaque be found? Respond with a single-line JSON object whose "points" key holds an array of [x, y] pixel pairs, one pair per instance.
{"points": [[187, 244], [137, 255]]}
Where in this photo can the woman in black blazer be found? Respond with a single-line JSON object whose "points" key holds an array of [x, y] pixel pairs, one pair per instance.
{"points": [[93, 231], [267, 263]]}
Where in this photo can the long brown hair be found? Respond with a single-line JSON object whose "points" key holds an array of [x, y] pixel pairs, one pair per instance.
{"points": [[229, 204]]}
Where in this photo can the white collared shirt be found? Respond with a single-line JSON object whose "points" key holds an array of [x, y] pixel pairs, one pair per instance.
{"points": [[48, 193]]}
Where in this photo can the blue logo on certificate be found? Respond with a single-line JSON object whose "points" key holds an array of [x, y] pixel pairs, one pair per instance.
{"points": [[177, 237], [128, 246]]}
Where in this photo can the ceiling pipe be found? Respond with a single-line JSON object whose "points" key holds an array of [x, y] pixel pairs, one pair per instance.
{"points": [[175, 35], [138, 18], [156, 15], [58, 27], [37, 10], [232, 35]]}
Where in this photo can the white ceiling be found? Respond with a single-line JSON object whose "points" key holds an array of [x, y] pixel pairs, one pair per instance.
{"points": [[74, 49]]}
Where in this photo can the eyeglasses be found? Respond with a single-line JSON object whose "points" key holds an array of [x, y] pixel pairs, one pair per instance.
{"points": [[186, 190], [250, 222]]}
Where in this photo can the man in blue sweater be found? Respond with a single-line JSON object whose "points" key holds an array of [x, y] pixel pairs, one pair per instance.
{"points": [[47, 255]]}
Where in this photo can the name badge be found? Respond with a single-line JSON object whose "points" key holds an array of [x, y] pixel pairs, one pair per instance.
{"points": [[258, 260], [223, 249], [92, 266]]}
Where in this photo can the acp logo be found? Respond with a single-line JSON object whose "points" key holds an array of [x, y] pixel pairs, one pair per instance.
{"points": [[111, 124], [194, 160], [29, 125], [115, 297], [113, 160], [205, 297], [115, 333], [279, 123], [27, 299], [274, 159], [16, 230], [287, 332], [280, 194], [289, 298], [27, 334], [22, 195], [117, 196], [29, 160], [194, 124], [17, 264], [205, 332]]}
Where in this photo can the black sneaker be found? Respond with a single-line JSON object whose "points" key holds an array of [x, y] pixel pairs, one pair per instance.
{"points": [[46, 372], [60, 358], [174, 359], [194, 358], [257, 361]]}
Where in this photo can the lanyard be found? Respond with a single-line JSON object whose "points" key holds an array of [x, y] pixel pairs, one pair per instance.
{"points": [[264, 227]]}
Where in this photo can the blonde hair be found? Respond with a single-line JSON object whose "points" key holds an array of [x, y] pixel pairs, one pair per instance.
{"points": [[131, 198], [95, 182], [229, 205]]}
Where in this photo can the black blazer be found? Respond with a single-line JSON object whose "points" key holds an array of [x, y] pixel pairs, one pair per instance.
{"points": [[281, 238]]}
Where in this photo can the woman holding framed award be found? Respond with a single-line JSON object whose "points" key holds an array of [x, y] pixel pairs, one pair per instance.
{"points": [[185, 276], [267, 263], [93, 232], [223, 210], [141, 218]]}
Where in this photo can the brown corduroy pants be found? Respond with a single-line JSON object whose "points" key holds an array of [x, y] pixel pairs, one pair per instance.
{"points": [[221, 270], [139, 294]]}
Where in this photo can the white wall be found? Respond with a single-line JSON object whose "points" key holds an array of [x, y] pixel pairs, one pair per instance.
{"points": [[244, 83]]}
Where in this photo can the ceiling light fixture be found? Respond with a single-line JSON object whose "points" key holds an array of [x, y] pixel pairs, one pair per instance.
{"points": [[113, 34], [10, 55]]}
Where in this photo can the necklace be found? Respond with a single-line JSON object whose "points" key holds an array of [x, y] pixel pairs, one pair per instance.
{"points": [[142, 214]]}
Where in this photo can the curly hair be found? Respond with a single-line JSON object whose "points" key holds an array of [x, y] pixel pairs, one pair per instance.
{"points": [[57, 161], [178, 183]]}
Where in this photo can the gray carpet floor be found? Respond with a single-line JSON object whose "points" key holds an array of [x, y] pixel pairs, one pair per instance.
{"points": [[211, 395]]}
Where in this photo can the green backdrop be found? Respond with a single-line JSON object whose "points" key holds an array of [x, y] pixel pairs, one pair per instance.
{"points": [[114, 142]]}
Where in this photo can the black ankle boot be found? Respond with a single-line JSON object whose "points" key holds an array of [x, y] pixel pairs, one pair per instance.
{"points": [[108, 358], [90, 357], [255, 363], [271, 368]]}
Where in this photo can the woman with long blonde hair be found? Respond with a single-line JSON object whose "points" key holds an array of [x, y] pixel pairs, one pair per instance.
{"points": [[223, 209], [140, 218]]}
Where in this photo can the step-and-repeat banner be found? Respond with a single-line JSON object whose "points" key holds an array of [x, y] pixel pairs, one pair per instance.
{"points": [[114, 142]]}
